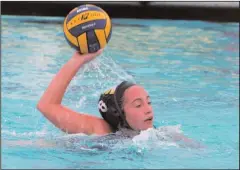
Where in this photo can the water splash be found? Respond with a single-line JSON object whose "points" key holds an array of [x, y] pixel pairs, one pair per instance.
{"points": [[146, 140], [96, 77], [161, 137]]}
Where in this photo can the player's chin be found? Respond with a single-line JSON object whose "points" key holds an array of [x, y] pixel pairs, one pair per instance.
{"points": [[148, 124]]}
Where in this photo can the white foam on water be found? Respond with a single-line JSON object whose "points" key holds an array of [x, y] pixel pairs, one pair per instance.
{"points": [[161, 137], [25, 134]]}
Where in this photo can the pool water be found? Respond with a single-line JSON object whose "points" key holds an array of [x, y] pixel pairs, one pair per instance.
{"points": [[189, 68]]}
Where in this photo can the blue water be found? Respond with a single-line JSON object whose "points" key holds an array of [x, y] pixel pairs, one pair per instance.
{"points": [[189, 68]]}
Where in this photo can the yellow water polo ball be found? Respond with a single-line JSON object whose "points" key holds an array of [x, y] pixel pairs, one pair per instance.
{"points": [[87, 28]]}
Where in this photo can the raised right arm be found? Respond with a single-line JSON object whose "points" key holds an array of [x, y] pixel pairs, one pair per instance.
{"points": [[62, 117]]}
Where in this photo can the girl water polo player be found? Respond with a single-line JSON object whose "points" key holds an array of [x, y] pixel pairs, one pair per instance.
{"points": [[127, 106], [126, 110]]}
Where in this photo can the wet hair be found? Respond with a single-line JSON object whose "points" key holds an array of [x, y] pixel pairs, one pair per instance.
{"points": [[110, 105]]}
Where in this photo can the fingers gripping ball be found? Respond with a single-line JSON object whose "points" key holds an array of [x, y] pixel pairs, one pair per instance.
{"points": [[87, 28]]}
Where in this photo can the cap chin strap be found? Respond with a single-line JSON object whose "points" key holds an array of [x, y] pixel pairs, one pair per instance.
{"points": [[120, 113]]}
